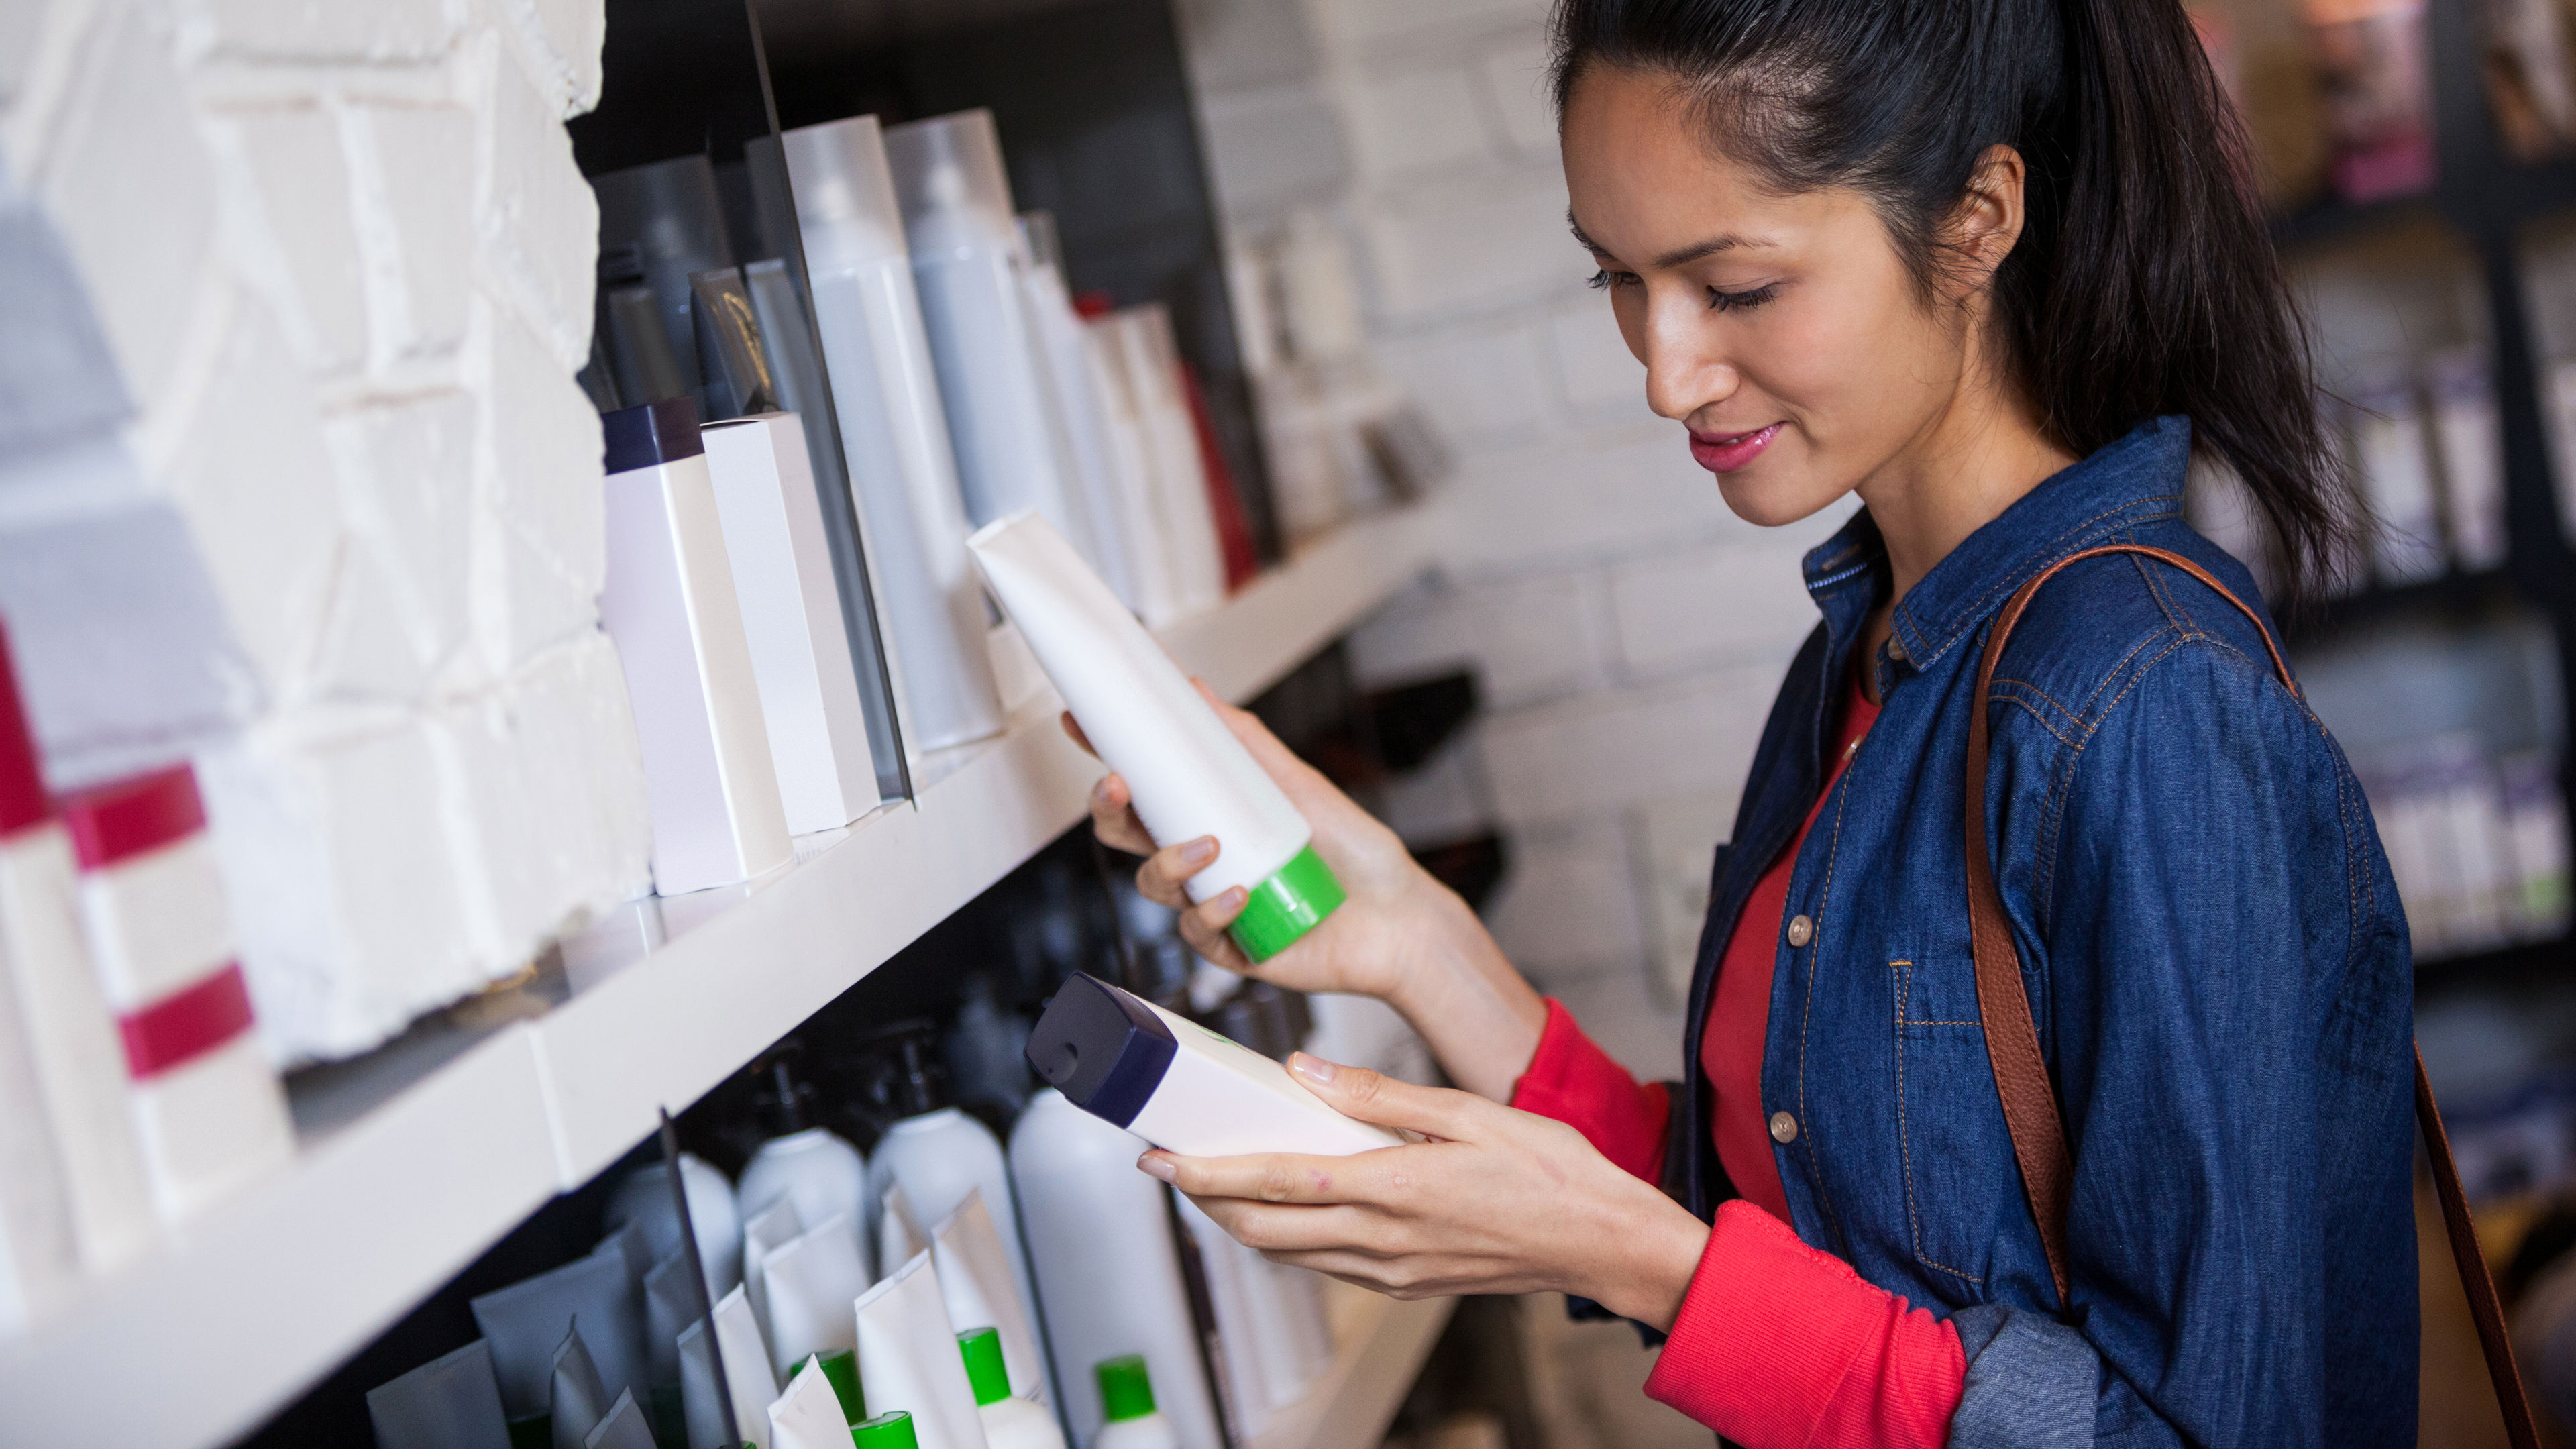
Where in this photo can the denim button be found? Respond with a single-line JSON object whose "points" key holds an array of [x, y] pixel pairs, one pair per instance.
{"points": [[1801, 931], [1784, 1128]]}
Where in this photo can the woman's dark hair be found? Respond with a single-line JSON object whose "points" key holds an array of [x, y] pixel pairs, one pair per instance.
{"points": [[2144, 281]]}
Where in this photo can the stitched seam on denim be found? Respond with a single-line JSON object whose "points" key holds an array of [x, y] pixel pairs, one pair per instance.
{"points": [[2071, 541], [2027, 708], [2090, 724], [2158, 590], [1807, 1013], [1905, 1133], [2052, 835], [2071, 716]]}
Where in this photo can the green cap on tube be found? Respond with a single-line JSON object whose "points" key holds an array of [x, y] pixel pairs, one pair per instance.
{"points": [[842, 1369], [1126, 1390], [1287, 905], [984, 1369], [886, 1431]]}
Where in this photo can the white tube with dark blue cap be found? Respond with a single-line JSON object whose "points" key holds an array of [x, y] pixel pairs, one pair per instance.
{"points": [[1179, 1085]]}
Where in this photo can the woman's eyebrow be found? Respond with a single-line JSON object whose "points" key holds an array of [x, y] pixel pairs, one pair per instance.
{"points": [[1680, 257]]}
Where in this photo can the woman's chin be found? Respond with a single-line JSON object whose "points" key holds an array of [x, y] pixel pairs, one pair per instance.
{"points": [[1775, 503]]}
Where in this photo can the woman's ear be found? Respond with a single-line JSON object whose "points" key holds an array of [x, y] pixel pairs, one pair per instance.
{"points": [[1988, 219]]}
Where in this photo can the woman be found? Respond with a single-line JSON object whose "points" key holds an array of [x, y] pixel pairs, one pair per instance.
{"points": [[1990, 265]]}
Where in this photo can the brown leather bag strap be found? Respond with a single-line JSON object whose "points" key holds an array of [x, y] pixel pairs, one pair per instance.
{"points": [[2021, 1073]]}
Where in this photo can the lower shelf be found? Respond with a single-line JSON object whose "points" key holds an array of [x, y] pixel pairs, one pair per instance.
{"points": [[416, 1158], [1380, 1345]]}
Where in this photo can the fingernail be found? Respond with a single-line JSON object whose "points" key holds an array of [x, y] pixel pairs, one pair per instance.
{"points": [[1315, 1067], [1236, 898], [1155, 1165], [1199, 851], [1100, 792]]}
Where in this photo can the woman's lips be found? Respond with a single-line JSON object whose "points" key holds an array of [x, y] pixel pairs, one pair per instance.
{"points": [[1726, 452]]}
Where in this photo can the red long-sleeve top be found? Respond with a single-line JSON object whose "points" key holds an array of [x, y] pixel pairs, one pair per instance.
{"points": [[1776, 1344]]}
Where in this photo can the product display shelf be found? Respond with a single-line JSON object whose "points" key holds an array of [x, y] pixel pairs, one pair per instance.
{"points": [[1380, 1344], [416, 1158]]}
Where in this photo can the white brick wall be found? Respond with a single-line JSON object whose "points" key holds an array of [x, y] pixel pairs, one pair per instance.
{"points": [[343, 257], [1629, 630]]}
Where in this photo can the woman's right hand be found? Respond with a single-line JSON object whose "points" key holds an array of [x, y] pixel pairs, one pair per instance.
{"points": [[1396, 914]]}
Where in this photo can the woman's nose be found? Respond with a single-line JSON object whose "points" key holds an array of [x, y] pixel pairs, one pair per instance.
{"points": [[1684, 371]]}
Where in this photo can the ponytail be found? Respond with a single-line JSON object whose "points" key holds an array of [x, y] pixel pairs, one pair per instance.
{"points": [[2144, 282]]}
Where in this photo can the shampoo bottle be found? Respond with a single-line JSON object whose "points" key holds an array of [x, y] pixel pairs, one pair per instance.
{"points": [[1130, 1420], [643, 1197], [1188, 773], [812, 1167], [937, 1155], [670, 607], [1108, 1266], [894, 432], [1009, 1423]]}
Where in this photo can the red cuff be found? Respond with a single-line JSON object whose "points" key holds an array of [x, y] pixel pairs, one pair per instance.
{"points": [[1577, 1083], [1780, 1345]]}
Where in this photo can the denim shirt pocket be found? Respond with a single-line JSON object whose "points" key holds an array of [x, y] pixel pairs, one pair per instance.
{"points": [[1954, 1150]]}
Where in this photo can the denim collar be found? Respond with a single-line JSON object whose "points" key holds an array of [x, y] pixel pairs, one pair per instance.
{"points": [[2129, 482]]}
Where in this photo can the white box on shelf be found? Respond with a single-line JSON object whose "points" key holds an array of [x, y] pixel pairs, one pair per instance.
{"points": [[209, 1115], [45, 966], [670, 607], [791, 616]]}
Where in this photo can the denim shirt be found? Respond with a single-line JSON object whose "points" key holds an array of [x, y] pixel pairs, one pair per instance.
{"points": [[2215, 959]]}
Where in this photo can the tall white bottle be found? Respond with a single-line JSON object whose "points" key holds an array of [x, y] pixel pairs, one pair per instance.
{"points": [[894, 432], [1108, 1268], [1091, 461], [670, 608], [956, 199], [937, 1155]]}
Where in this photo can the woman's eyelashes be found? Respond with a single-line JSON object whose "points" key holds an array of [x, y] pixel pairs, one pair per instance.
{"points": [[1739, 301], [1604, 279]]}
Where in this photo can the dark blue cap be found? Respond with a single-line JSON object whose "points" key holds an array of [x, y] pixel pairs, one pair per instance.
{"points": [[662, 432], [1103, 1048]]}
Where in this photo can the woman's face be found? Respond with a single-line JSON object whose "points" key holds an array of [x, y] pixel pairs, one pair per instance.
{"points": [[1783, 331]]}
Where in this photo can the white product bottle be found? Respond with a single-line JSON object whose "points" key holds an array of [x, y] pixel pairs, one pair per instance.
{"points": [[1090, 462], [209, 1115], [957, 214], [908, 1358], [812, 1167], [1131, 450], [976, 1281], [1009, 1423], [1127, 1407], [644, 1198], [894, 432], [1179, 1085], [1108, 1266], [791, 614], [1250, 1395], [937, 1154], [77, 1062], [670, 607], [1180, 481], [1189, 775]]}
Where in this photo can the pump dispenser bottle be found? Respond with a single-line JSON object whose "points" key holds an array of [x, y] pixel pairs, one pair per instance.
{"points": [[1009, 1423], [824, 1176], [936, 1153], [1127, 1407]]}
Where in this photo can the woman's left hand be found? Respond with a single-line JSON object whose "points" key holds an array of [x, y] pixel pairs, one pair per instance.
{"points": [[1494, 1201]]}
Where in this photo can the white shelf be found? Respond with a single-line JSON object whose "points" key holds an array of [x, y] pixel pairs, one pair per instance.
{"points": [[1380, 1345], [416, 1159]]}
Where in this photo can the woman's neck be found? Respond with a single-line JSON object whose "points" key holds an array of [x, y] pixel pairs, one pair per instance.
{"points": [[1960, 473]]}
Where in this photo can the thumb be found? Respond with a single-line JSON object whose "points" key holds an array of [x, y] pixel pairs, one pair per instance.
{"points": [[1376, 1097]]}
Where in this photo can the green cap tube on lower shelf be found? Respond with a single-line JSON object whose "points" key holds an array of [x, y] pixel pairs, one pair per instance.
{"points": [[842, 1368], [1126, 1390], [1286, 905], [886, 1431], [984, 1368]]}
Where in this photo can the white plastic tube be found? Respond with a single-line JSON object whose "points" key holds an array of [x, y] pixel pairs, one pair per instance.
{"points": [[908, 1358], [1188, 773], [448, 1403], [763, 1233], [808, 1415], [937, 1158], [1108, 1268], [894, 432], [820, 1173], [811, 1284], [900, 1234], [644, 1198], [524, 1323], [736, 1368], [981, 1290]]}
